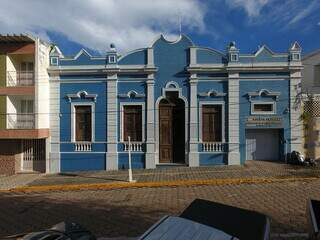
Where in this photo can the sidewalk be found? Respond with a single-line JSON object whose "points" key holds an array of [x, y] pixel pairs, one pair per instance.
{"points": [[251, 172], [19, 180]]}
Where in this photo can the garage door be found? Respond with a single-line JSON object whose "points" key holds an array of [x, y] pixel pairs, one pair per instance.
{"points": [[262, 144]]}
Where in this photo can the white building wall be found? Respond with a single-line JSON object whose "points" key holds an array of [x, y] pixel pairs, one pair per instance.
{"points": [[233, 119], [54, 146], [311, 74], [42, 91]]}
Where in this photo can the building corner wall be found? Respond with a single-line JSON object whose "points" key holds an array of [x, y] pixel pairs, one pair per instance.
{"points": [[112, 123], [193, 157], [233, 119], [296, 130], [54, 149], [150, 143]]}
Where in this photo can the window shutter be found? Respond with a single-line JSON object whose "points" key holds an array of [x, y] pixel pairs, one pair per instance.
{"points": [[132, 123], [211, 123]]}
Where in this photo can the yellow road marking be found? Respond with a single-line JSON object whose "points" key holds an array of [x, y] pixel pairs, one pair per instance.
{"points": [[121, 185]]}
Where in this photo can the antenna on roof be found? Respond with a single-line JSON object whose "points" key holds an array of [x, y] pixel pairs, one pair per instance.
{"points": [[180, 24]]}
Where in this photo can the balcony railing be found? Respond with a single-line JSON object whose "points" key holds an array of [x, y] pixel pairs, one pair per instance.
{"points": [[20, 78], [20, 120], [83, 147], [134, 146], [214, 147]]}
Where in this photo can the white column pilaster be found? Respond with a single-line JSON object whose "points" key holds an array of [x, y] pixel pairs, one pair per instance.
{"points": [[233, 119], [193, 157], [112, 123], [296, 128], [150, 143], [54, 109]]}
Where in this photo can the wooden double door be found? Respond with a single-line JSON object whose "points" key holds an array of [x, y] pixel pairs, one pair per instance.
{"points": [[172, 131]]}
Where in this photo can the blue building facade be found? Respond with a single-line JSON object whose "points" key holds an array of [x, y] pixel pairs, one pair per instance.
{"points": [[180, 104]]}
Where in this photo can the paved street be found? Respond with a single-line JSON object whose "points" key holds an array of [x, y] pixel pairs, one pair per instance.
{"points": [[129, 212]]}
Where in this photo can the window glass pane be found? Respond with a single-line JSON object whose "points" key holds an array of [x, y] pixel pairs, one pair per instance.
{"points": [[211, 123], [263, 107], [132, 123], [83, 123]]}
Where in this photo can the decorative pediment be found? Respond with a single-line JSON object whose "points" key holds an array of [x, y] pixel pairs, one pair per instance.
{"points": [[295, 46], [82, 95], [212, 93], [83, 52], [264, 50], [131, 94], [263, 92]]}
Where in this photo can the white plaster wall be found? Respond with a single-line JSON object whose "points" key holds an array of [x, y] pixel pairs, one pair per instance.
{"points": [[42, 91], [54, 146], [310, 74]]}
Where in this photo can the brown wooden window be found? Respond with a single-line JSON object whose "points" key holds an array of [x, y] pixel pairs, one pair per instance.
{"points": [[211, 123], [83, 123], [132, 123]]}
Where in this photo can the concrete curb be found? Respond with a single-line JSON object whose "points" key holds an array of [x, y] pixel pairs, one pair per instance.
{"points": [[184, 183]]}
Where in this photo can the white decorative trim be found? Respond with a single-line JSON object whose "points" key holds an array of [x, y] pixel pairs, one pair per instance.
{"points": [[263, 92], [73, 119], [274, 110], [81, 94], [186, 105], [55, 62], [112, 59], [122, 104], [171, 42], [212, 93], [172, 84], [131, 94], [82, 51], [201, 103]]}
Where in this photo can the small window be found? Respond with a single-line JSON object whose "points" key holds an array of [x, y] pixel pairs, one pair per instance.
{"points": [[263, 108], [112, 59], [296, 56], [132, 123], [83, 123], [54, 61], [211, 123], [234, 57]]}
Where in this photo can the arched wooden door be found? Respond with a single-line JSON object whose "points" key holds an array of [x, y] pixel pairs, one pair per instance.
{"points": [[171, 131]]}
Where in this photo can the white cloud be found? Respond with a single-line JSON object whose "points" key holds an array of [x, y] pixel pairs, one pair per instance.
{"points": [[304, 13], [252, 7], [96, 23]]}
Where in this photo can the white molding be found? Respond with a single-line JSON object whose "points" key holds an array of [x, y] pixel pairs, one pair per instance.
{"points": [[264, 92], [81, 52], [122, 104], [114, 57], [82, 93], [222, 103], [274, 107], [157, 115], [212, 93], [73, 119], [131, 94]]}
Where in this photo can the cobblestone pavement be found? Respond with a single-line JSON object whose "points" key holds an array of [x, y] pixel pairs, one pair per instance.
{"points": [[129, 212], [18, 180], [250, 169]]}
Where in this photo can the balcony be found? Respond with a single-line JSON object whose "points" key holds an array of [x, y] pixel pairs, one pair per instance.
{"points": [[20, 121], [214, 147], [134, 146], [20, 78]]}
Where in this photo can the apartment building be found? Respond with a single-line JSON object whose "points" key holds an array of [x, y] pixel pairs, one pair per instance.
{"points": [[24, 104]]}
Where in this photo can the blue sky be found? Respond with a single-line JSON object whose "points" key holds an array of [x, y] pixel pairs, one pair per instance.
{"points": [[94, 24]]}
